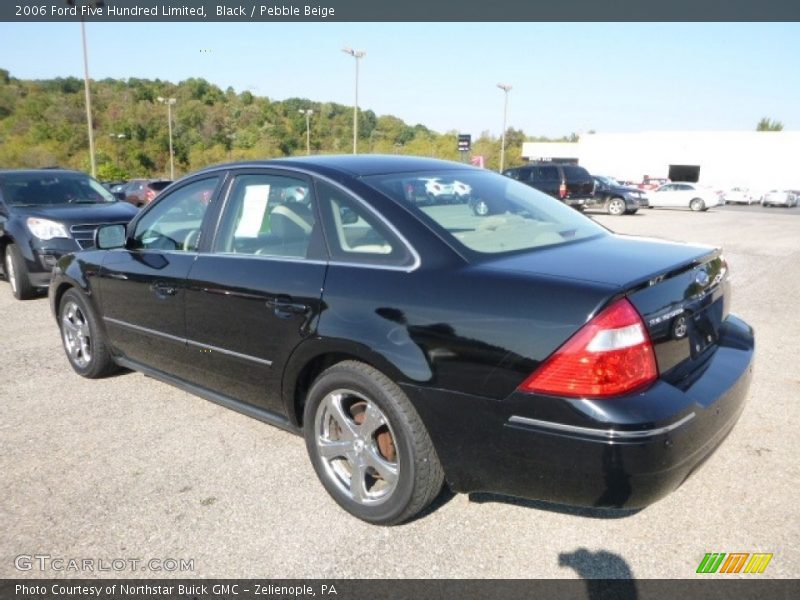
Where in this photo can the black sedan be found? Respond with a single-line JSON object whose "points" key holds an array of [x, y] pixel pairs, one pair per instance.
{"points": [[616, 199], [46, 213], [529, 352]]}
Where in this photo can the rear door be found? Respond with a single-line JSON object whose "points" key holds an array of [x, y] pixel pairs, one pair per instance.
{"points": [[257, 293]]}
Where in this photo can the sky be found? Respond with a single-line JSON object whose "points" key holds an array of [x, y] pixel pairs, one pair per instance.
{"points": [[565, 77]]}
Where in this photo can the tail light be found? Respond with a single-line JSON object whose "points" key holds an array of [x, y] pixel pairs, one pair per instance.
{"points": [[611, 355], [562, 190]]}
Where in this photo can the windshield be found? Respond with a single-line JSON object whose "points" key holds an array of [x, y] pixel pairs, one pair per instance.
{"points": [[609, 181], [33, 189], [492, 214]]}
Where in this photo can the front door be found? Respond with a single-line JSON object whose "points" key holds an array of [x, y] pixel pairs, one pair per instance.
{"points": [[257, 294], [142, 287]]}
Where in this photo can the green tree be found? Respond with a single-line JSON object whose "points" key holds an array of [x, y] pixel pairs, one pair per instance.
{"points": [[766, 124]]}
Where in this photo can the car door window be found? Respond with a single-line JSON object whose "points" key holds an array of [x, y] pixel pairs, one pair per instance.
{"points": [[174, 223], [268, 215], [545, 174], [355, 234]]}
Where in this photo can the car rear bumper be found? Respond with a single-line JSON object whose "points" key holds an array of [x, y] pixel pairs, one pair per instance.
{"points": [[625, 452]]}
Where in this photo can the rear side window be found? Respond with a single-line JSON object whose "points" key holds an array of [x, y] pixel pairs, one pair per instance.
{"points": [[545, 174], [573, 173], [356, 235]]}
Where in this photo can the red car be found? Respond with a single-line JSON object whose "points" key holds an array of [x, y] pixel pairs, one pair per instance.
{"points": [[651, 183], [141, 192]]}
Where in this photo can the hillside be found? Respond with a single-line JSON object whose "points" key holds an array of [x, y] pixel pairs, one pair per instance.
{"points": [[43, 123]]}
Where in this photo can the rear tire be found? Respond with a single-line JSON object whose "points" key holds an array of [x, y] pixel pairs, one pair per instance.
{"points": [[369, 446], [17, 274], [697, 204], [83, 339]]}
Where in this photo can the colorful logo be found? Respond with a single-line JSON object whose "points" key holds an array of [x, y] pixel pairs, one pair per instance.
{"points": [[735, 562]]}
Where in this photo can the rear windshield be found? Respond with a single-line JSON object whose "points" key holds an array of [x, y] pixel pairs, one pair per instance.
{"points": [[33, 189], [493, 214]]}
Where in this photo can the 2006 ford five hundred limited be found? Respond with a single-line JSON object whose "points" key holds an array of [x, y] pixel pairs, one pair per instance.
{"points": [[526, 351]]}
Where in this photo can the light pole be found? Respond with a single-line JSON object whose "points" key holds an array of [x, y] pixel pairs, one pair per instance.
{"points": [[96, 4], [506, 88], [307, 112], [169, 102], [357, 54]]}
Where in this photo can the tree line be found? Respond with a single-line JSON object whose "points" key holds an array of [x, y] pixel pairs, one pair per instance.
{"points": [[43, 123]]}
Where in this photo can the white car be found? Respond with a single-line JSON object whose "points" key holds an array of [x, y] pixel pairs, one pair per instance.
{"points": [[439, 189], [683, 195], [740, 195], [777, 198]]}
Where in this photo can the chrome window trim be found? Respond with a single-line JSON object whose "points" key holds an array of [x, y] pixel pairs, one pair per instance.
{"points": [[232, 169], [606, 434]]}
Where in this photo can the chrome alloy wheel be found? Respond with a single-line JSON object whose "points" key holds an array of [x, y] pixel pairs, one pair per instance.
{"points": [[357, 447], [11, 274], [76, 334]]}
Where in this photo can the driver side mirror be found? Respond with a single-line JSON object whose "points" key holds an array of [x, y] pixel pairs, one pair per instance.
{"points": [[109, 237]]}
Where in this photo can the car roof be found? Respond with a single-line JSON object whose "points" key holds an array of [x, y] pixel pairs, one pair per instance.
{"points": [[41, 171], [357, 165]]}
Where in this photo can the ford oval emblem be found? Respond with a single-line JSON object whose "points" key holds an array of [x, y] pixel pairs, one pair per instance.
{"points": [[701, 278]]}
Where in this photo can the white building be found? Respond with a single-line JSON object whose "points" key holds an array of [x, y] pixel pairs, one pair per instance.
{"points": [[760, 160]]}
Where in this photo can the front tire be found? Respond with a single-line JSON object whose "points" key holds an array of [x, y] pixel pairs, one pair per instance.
{"points": [[616, 207], [369, 446], [17, 274], [83, 338]]}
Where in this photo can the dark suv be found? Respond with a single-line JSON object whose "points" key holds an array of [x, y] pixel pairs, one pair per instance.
{"points": [[45, 214], [571, 184]]}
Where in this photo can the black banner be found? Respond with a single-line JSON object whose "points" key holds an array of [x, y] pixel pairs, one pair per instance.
{"points": [[403, 10], [711, 588]]}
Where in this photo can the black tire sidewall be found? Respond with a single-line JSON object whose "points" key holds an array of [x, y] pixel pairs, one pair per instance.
{"points": [[338, 377], [24, 289]]}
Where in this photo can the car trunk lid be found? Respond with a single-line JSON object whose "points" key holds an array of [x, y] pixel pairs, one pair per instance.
{"points": [[680, 290]]}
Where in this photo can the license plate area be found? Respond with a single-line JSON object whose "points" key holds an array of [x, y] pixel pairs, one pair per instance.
{"points": [[704, 328]]}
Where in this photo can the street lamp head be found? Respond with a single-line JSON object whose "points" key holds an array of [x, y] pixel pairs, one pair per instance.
{"points": [[354, 53], [505, 87], [163, 100]]}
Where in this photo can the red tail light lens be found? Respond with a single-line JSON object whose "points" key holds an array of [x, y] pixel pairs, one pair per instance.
{"points": [[562, 190], [611, 355]]}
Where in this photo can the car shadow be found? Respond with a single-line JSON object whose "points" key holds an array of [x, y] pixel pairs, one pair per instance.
{"points": [[445, 496], [608, 576], [564, 509]]}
